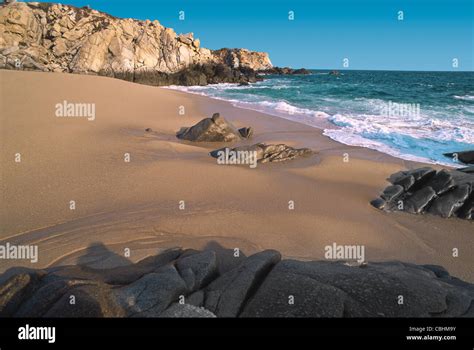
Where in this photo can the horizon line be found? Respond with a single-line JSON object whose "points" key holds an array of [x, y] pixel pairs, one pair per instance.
{"points": [[384, 70]]}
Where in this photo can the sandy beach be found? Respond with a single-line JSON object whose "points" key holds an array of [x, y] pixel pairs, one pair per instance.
{"points": [[136, 204]]}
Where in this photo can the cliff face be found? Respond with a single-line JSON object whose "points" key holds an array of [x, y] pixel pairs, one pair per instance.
{"points": [[237, 58], [60, 38]]}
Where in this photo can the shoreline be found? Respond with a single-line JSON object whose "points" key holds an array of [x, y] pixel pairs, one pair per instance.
{"points": [[135, 205], [378, 156], [315, 119]]}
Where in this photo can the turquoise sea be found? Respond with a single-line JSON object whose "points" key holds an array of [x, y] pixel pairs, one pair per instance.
{"points": [[410, 115]]}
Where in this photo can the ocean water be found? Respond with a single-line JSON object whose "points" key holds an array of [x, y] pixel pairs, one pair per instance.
{"points": [[410, 115]]}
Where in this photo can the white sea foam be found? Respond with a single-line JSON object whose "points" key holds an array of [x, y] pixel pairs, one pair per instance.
{"points": [[277, 108], [208, 89], [280, 107], [464, 98], [342, 136]]}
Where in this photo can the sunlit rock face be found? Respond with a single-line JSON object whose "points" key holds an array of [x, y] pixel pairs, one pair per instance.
{"points": [[61, 38]]}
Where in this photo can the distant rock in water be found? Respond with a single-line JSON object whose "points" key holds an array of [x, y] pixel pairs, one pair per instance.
{"points": [[466, 157], [445, 193], [191, 283], [214, 129], [268, 153]]}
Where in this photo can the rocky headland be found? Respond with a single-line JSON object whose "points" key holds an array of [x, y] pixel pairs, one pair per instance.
{"points": [[218, 283], [60, 38]]}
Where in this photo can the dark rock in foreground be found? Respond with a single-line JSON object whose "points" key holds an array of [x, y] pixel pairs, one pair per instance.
{"points": [[186, 311], [262, 285], [215, 129], [445, 193], [91, 300], [15, 291], [226, 295], [466, 157], [328, 289], [267, 153], [201, 268]]}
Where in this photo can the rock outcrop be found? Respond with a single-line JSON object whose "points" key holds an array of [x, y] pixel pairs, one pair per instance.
{"points": [[217, 129], [267, 153], [193, 283], [214, 129], [445, 193], [466, 157], [243, 58], [62, 38], [285, 71]]}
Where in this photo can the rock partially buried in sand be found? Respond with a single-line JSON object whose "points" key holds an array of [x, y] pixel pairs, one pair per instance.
{"points": [[265, 153], [215, 129], [378, 203], [444, 193], [282, 152]]}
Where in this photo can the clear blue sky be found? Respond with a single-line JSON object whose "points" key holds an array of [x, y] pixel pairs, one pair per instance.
{"points": [[367, 32]]}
